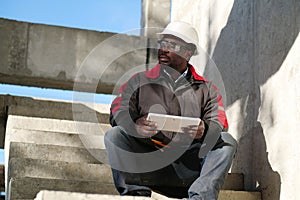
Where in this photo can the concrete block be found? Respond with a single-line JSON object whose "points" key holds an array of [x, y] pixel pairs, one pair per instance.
{"points": [[53, 138], [66, 135], [80, 154], [55, 153], [3, 105], [3, 116], [92, 142], [60, 109], [55, 125], [13, 48], [155, 16], [234, 181], [238, 195], [84, 114], [2, 131], [39, 55], [53, 195], [21, 167], [27, 187], [2, 178], [25, 167]]}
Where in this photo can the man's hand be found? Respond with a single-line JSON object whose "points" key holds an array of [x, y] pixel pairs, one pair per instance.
{"points": [[145, 128], [195, 132]]}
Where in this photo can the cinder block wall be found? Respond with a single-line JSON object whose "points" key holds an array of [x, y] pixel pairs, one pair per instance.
{"points": [[255, 45]]}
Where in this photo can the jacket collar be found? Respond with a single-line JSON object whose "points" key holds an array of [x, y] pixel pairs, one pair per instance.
{"points": [[155, 72]]}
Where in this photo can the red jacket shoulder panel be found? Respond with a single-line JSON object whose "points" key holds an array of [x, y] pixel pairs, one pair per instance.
{"points": [[154, 72]]}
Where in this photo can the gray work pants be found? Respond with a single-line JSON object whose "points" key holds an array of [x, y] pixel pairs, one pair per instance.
{"points": [[187, 176]]}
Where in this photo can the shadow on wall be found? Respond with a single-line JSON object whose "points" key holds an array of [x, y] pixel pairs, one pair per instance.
{"points": [[250, 49], [268, 181]]}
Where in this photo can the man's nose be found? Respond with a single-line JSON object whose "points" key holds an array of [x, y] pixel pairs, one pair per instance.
{"points": [[164, 49]]}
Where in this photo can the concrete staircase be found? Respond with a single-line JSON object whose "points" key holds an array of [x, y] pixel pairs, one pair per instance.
{"points": [[45, 157]]}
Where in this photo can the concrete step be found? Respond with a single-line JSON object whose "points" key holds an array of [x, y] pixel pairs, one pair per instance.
{"points": [[79, 112], [54, 132], [51, 109], [55, 125], [25, 167], [55, 153], [93, 143], [53, 195], [54, 138], [234, 181], [223, 195], [34, 107], [239, 195], [28, 187]]}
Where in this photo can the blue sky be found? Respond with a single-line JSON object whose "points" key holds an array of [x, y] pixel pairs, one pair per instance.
{"points": [[116, 16], [101, 15]]}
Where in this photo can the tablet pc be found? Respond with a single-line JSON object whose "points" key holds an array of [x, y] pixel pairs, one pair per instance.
{"points": [[171, 122]]}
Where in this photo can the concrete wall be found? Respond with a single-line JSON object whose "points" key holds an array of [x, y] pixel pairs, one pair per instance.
{"points": [[58, 57], [255, 45], [155, 14]]}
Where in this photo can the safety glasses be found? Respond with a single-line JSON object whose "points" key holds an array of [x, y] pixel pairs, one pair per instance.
{"points": [[171, 46]]}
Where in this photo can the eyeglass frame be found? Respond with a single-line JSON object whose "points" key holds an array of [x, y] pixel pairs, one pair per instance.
{"points": [[176, 47]]}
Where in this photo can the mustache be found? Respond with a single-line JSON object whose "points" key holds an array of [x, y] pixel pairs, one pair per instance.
{"points": [[163, 55]]}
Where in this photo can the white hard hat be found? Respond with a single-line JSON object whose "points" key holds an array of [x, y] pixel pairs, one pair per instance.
{"points": [[184, 31]]}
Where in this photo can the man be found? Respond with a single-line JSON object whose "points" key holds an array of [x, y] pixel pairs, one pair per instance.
{"points": [[191, 163]]}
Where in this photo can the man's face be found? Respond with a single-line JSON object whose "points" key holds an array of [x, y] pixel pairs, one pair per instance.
{"points": [[173, 52]]}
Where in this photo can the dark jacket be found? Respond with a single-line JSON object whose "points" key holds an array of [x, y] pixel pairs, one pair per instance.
{"points": [[154, 91]]}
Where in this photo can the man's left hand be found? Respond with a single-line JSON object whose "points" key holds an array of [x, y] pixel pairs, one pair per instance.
{"points": [[195, 132]]}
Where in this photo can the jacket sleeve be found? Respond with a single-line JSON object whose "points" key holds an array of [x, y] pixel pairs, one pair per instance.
{"points": [[213, 108], [214, 118], [123, 111]]}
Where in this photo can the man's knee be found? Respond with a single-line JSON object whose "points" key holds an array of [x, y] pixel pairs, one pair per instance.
{"points": [[113, 135], [229, 140], [230, 143]]}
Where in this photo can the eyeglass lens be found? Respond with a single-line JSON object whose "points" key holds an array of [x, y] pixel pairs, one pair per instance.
{"points": [[164, 44]]}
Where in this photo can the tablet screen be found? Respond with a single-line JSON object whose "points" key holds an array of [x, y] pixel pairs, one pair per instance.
{"points": [[171, 122]]}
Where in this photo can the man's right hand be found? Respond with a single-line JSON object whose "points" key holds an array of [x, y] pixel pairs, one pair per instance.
{"points": [[145, 128]]}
